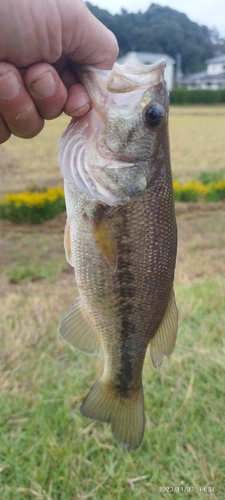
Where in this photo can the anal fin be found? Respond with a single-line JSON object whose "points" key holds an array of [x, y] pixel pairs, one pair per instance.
{"points": [[163, 342], [75, 330]]}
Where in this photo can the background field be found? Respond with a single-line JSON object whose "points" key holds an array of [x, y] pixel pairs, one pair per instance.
{"points": [[196, 136], [48, 451]]}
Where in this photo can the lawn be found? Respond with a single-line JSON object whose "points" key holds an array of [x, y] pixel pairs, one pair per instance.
{"points": [[48, 451]]}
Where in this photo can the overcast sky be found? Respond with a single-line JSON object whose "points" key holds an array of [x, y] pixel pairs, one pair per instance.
{"points": [[208, 12]]}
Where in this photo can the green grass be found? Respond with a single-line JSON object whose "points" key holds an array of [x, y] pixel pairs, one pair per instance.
{"points": [[49, 451], [35, 271], [32, 253]]}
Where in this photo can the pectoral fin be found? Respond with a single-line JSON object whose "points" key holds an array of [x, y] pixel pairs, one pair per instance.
{"points": [[164, 340], [67, 244], [104, 239], [75, 330]]}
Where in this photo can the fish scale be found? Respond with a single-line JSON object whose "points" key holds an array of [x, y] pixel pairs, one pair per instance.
{"points": [[123, 251]]}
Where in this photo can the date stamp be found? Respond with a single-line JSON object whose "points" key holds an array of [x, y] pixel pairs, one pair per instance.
{"points": [[186, 489]]}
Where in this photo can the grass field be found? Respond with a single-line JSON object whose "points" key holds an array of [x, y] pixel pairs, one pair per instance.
{"points": [[196, 137], [48, 451]]}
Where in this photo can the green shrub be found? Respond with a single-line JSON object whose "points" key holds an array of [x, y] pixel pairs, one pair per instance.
{"points": [[195, 190], [216, 191], [184, 96], [209, 177], [189, 191]]}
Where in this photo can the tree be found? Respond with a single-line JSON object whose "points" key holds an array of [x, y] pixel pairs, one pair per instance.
{"points": [[162, 29]]}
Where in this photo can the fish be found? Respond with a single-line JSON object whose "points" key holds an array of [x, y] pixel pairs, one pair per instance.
{"points": [[121, 238]]}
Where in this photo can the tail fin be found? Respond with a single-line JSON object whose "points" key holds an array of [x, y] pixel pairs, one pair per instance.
{"points": [[126, 415]]}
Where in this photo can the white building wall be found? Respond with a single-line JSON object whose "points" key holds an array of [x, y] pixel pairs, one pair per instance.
{"points": [[216, 68], [169, 75]]}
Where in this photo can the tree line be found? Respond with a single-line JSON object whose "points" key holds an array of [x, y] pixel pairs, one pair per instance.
{"points": [[165, 30]]}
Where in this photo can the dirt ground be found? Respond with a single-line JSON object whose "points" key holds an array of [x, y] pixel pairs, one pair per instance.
{"points": [[201, 241], [201, 245]]}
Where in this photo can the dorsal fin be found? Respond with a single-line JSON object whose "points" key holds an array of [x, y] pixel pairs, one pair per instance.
{"points": [[163, 342]]}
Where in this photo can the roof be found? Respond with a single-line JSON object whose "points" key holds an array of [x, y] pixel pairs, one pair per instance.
{"points": [[194, 76], [217, 59], [145, 57], [203, 76]]}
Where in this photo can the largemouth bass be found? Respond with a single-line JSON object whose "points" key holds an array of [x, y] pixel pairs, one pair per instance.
{"points": [[120, 237]]}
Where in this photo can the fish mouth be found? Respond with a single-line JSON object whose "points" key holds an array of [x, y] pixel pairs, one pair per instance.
{"points": [[107, 87], [121, 78]]}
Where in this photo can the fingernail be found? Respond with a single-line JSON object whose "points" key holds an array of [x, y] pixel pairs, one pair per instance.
{"points": [[9, 85], [81, 111], [44, 86]]}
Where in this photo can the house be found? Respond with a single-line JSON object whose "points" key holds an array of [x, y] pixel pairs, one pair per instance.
{"points": [[213, 77], [150, 58]]}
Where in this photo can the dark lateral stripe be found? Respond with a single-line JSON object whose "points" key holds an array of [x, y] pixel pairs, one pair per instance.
{"points": [[126, 294]]}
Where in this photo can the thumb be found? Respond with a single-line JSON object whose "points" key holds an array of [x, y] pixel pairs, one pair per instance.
{"points": [[87, 40]]}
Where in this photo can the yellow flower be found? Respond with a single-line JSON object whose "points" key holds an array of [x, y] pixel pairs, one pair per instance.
{"points": [[176, 186], [190, 191], [32, 198], [220, 185]]}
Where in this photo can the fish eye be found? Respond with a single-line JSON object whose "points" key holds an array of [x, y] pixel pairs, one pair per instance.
{"points": [[154, 115]]}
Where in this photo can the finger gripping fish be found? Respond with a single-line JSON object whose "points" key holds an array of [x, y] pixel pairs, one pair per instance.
{"points": [[120, 237]]}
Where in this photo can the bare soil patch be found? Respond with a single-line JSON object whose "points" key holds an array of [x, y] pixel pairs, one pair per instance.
{"points": [[201, 246], [201, 241]]}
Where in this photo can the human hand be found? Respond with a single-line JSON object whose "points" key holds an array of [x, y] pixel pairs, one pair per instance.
{"points": [[38, 42]]}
